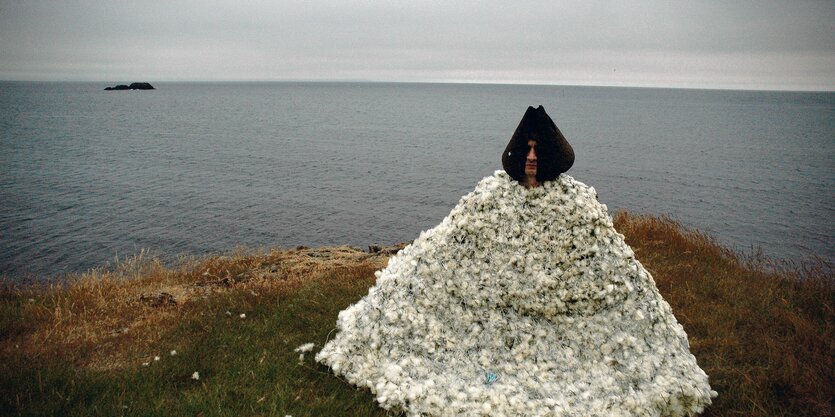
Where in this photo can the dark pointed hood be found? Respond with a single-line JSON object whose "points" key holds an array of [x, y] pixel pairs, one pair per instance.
{"points": [[554, 154]]}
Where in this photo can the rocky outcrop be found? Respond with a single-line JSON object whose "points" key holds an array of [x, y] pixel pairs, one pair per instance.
{"points": [[133, 86], [162, 299]]}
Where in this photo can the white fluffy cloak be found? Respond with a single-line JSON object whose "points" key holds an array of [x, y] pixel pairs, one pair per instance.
{"points": [[520, 302]]}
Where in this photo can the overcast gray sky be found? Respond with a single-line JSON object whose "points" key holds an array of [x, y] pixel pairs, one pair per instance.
{"points": [[703, 44]]}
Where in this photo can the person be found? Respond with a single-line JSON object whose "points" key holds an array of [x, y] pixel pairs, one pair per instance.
{"points": [[537, 135], [524, 300], [530, 166]]}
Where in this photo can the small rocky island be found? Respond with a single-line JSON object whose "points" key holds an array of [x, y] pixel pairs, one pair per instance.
{"points": [[133, 86]]}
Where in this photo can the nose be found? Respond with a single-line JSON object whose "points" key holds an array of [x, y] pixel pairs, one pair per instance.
{"points": [[532, 155]]}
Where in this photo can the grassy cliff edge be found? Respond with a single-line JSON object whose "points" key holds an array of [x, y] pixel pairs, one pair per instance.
{"points": [[217, 336]]}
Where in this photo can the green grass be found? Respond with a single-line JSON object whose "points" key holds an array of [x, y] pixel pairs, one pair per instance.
{"points": [[247, 366]]}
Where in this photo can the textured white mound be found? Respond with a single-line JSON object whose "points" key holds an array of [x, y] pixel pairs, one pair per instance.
{"points": [[520, 302]]}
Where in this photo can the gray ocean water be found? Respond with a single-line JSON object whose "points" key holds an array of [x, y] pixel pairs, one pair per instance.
{"points": [[199, 168]]}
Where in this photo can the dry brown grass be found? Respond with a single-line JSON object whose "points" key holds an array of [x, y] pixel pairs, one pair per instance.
{"points": [[762, 330], [104, 319]]}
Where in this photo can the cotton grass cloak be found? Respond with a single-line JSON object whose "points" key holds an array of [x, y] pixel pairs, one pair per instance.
{"points": [[520, 302]]}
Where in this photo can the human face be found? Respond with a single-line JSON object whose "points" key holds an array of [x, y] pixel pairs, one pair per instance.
{"points": [[530, 160]]}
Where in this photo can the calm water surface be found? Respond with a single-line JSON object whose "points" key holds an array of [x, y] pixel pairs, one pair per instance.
{"points": [[196, 168]]}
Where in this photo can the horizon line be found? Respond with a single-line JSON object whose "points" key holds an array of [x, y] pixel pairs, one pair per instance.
{"points": [[451, 82]]}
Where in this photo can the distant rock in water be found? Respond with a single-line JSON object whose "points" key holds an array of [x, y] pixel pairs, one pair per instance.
{"points": [[133, 86]]}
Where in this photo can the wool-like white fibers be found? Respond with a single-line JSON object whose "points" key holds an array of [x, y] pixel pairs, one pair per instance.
{"points": [[520, 302]]}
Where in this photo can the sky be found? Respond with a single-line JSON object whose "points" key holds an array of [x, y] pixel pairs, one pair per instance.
{"points": [[763, 44]]}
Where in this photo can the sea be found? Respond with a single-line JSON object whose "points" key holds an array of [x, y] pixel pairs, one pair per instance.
{"points": [[89, 177]]}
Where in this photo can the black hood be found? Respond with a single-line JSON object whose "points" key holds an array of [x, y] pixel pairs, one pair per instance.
{"points": [[554, 154]]}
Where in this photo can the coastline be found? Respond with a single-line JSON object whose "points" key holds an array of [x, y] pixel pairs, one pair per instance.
{"points": [[103, 342]]}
